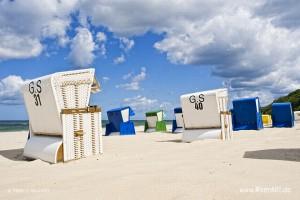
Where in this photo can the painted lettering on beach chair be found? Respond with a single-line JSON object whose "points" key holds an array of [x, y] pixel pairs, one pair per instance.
{"points": [[35, 89], [198, 101]]}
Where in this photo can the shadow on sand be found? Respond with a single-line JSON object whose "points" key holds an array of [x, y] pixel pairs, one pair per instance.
{"points": [[13, 154], [176, 141], [275, 154]]}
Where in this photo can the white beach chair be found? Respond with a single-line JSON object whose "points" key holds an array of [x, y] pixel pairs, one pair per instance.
{"points": [[62, 124], [206, 115], [297, 119]]}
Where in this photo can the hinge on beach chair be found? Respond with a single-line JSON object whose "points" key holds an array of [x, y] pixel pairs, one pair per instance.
{"points": [[78, 133]]}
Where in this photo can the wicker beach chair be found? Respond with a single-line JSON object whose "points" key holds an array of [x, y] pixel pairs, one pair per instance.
{"points": [[206, 115], [63, 126]]}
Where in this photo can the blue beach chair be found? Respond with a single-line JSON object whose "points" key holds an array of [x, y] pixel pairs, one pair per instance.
{"points": [[119, 122]]}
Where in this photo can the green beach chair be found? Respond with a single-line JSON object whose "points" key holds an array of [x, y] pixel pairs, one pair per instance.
{"points": [[154, 122]]}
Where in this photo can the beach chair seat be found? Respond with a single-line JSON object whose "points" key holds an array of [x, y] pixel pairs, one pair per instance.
{"points": [[246, 114], [63, 126], [282, 115], [206, 115], [177, 123], [119, 122], [155, 122]]}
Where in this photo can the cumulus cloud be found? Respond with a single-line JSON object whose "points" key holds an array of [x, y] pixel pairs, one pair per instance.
{"points": [[127, 76], [24, 24], [101, 39], [126, 44], [140, 103], [135, 80], [120, 59], [13, 46], [82, 48], [258, 56], [282, 13], [10, 90], [252, 44]]}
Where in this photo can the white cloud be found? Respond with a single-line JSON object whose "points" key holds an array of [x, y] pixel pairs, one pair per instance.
{"points": [[255, 44], [101, 39], [105, 79], [135, 81], [140, 102], [82, 48], [10, 90], [14, 46], [126, 44], [251, 44], [24, 24], [127, 76], [120, 59]]}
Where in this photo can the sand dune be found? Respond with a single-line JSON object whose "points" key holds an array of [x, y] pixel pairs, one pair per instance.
{"points": [[254, 165]]}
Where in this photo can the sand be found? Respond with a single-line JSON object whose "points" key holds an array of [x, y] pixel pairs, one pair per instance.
{"points": [[254, 165]]}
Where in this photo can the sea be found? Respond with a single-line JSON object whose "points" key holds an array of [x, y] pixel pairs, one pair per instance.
{"points": [[22, 125]]}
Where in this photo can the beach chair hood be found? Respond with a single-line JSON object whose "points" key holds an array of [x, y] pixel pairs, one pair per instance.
{"points": [[46, 96]]}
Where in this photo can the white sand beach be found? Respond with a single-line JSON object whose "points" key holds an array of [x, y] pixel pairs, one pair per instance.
{"points": [[253, 165]]}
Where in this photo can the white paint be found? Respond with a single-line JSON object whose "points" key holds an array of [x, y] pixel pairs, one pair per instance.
{"points": [[43, 147], [179, 119], [151, 120], [297, 115], [209, 116], [160, 116], [200, 134], [125, 114]]}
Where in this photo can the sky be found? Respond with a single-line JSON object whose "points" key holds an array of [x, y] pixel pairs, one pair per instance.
{"points": [[148, 53]]}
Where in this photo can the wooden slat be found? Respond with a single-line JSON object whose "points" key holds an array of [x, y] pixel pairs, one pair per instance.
{"points": [[91, 109]]}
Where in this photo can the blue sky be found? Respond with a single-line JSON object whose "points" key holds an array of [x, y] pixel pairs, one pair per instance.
{"points": [[164, 81], [146, 54]]}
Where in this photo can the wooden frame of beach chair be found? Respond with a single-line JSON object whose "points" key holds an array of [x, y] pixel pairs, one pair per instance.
{"points": [[63, 126], [155, 122], [206, 115]]}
